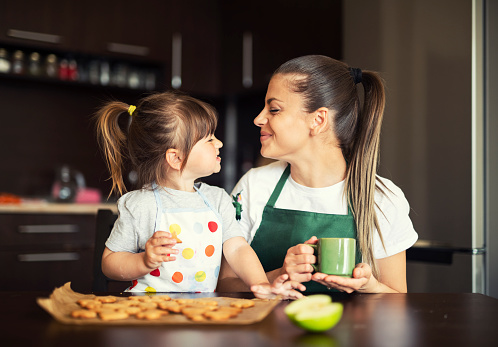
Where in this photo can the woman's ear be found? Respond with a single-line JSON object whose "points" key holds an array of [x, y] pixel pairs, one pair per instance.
{"points": [[319, 121], [173, 159]]}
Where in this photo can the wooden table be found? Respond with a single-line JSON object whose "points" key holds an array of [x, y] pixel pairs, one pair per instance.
{"points": [[369, 320]]}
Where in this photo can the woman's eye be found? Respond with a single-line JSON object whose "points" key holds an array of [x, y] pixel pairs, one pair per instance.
{"points": [[274, 110]]}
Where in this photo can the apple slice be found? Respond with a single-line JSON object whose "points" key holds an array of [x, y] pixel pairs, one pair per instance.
{"points": [[314, 313]]}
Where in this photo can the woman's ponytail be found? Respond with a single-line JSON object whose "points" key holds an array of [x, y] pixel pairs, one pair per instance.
{"points": [[361, 179], [112, 140]]}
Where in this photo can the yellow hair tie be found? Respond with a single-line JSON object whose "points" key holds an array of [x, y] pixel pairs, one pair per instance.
{"points": [[131, 109]]}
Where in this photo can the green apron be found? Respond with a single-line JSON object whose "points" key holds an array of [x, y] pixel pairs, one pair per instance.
{"points": [[281, 229]]}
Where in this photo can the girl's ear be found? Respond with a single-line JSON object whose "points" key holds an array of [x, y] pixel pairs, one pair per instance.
{"points": [[173, 159], [319, 121]]}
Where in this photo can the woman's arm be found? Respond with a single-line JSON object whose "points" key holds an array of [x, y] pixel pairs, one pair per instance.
{"points": [[393, 277]]}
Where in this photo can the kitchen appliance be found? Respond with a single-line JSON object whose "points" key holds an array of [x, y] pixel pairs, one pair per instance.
{"points": [[451, 260]]}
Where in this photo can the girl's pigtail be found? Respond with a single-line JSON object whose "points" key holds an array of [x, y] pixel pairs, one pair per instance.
{"points": [[362, 170], [112, 140]]}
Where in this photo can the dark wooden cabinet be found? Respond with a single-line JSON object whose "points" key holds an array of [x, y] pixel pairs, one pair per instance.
{"points": [[43, 24], [196, 31], [120, 29], [128, 29], [257, 37], [42, 251]]}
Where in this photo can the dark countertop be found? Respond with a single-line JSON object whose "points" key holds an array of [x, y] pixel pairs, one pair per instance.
{"points": [[437, 319]]}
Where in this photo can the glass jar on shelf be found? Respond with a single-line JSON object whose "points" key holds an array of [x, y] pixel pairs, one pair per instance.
{"points": [[4, 61]]}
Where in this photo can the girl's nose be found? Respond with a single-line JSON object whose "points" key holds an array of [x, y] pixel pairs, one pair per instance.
{"points": [[260, 119], [218, 143]]}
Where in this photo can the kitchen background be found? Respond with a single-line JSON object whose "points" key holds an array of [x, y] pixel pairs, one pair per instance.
{"points": [[60, 60]]}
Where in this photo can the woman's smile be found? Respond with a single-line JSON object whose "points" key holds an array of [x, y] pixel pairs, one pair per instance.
{"points": [[264, 136]]}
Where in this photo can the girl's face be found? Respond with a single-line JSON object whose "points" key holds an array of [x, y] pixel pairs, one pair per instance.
{"points": [[284, 130], [204, 158]]}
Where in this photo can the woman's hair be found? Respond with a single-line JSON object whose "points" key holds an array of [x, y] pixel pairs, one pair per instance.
{"points": [[326, 82], [160, 121]]}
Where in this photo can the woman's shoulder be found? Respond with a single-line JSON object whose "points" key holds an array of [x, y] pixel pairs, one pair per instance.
{"points": [[390, 197]]}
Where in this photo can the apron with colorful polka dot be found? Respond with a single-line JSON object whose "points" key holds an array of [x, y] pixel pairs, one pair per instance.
{"points": [[199, 241]]}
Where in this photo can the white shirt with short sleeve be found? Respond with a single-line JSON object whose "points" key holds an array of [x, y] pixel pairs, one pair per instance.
{"points": [[256, 186]]}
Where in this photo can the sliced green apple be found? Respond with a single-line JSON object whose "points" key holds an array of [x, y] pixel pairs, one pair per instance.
{"points": [[314, 313]]}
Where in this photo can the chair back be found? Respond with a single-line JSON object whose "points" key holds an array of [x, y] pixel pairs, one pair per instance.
{"points": [[104, 223]]}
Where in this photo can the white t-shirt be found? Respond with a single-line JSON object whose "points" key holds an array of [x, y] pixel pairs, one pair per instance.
{"points": [[256, 186]]}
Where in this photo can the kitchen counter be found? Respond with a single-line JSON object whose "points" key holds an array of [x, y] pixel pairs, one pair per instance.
{"points": [[377, 320], [56, 208]]}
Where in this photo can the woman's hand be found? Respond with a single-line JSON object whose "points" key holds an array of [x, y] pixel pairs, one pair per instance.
{"points": [[159, 248], [362, 280], [298, 260], [281, 287]]}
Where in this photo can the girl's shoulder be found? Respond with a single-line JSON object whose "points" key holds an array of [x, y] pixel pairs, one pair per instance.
{"points": [[137, 199], [212, 192]]}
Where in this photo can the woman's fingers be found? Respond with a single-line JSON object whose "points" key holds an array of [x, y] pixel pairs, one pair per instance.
{"points": [[341, 283], [312, 240]]}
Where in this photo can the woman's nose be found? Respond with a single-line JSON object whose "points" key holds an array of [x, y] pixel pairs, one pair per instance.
{"points": [[260, 119]]}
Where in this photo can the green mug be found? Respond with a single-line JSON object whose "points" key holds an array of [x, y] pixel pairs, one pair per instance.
{"points": [[335, 256]]}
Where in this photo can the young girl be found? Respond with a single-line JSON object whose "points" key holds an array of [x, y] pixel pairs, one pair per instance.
{"points": [[170, 234]]}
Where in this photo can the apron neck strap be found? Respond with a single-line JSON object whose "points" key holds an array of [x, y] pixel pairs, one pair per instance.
{"points": [[278, 189]]}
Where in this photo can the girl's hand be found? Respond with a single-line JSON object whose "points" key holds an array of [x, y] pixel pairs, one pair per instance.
{"points": [[159, 248], [281, 287], [362, 280], [297, 262]]}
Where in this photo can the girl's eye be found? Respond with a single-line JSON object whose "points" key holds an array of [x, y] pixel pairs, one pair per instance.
{"points": [[274, 110]]}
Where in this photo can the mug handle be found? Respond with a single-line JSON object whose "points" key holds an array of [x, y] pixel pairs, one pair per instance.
{"points": [[315, 249]]}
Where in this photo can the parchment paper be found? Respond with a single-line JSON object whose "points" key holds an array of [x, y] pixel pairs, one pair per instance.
{"points": [[63, 301]]}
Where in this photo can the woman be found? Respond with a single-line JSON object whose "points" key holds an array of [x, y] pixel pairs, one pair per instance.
{"points": [[324, 184]]}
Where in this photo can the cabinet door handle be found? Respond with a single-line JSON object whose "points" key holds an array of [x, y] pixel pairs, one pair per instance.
{"points": [[128, 49], [37, 257], [247, 59], [176, 61], [35, 36], [48, 229]]}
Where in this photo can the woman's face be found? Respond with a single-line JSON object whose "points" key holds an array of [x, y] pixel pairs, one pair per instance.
{"points": [[284, 129]]}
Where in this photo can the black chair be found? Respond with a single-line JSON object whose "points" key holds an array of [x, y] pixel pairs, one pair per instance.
{"points": [[105, 222]]}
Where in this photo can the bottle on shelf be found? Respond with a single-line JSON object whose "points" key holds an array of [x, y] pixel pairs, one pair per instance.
{"points": [[18, 62], [51, 67], [34, 64]]}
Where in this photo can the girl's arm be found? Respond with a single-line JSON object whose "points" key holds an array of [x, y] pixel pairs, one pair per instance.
{"points": [[127, 266], [228, 281], [245, 264], [244, 261], [124, 266], [297, 265]]}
